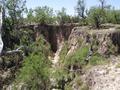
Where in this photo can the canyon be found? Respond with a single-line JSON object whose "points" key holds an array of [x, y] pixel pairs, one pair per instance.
{"points": [[104, 41]]}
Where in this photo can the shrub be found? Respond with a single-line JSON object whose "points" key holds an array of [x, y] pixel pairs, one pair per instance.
{"points": [[78, 58], [113, 16], [83, 22], [35, 70], [62, 17], [63, 52], [78, 83], [44, 15], [96, 17], [97, 59]]}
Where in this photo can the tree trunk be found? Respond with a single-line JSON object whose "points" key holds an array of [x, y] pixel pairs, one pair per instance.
{"points": [[1, 22]]}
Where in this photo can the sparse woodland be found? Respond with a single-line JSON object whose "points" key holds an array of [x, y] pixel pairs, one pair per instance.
{"points": [[46, 50]]}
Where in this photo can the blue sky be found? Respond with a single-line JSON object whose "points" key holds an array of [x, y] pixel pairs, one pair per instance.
{"points": [[68, 4]]}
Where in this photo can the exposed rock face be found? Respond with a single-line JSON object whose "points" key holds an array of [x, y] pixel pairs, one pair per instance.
{"points": [[76, 38], [104, 77], [54, 34], [116, 39], [105, 42]]}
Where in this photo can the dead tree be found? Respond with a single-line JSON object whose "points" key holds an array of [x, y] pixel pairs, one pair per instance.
{"points": [[1, 22]]}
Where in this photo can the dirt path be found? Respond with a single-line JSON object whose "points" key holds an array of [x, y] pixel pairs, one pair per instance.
{"points": [[57, 57], [55, 63]]}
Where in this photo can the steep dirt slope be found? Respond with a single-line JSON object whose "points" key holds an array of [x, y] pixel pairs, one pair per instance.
{"points": [[106, 43]]}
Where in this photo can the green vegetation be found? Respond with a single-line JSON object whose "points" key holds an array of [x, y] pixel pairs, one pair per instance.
{"points": [[36, 67], [97, 60], [12, 17], [62, 17], [35, 70], [34, 73], [63, 52], [77, 58], [41, 15], [78, 83], [73, 65], [96, 17], [113, 16]]}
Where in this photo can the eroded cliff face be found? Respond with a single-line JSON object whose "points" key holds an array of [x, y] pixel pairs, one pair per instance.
{"points": [[104, 41], [54, 34], [10, 64]]}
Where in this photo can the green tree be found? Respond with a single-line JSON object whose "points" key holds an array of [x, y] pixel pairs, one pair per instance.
{"points": [[62, 17], [44, 15], [77, 59], [117, 16], [75, 19], [96, 17], [15, 9], [35, 70], [13, 16], [110, 16], [30, 16], [99, 15]]}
